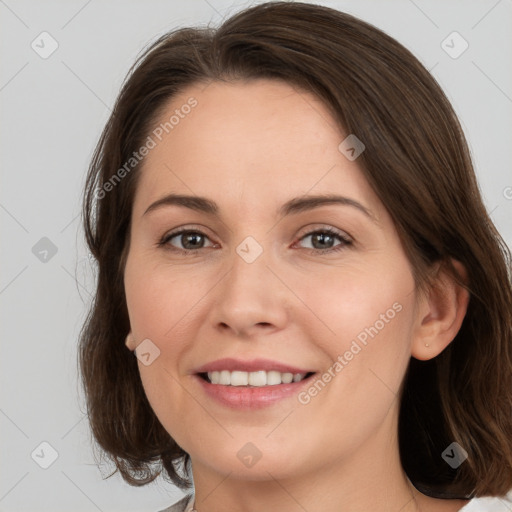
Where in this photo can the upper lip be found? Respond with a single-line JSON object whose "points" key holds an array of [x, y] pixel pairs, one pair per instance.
{"points": [[253, 365]]}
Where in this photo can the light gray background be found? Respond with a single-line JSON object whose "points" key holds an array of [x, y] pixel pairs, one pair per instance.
{"points": [[53, 111]]}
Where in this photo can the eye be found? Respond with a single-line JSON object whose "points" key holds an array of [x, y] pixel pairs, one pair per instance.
{"points": [[190, 240], [322, 240]]}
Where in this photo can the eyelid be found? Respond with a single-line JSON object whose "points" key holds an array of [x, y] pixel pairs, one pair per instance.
{"points": [[187, 227], [313, 228]]}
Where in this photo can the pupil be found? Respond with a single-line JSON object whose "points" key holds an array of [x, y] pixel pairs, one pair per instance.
{"points": [[192, 236], [322, 237]]}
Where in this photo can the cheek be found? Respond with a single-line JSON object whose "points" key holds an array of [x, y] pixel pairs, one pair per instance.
{"points": [[157, 300], [368, 353], [360, 302], [369, 313], [157, 307]]}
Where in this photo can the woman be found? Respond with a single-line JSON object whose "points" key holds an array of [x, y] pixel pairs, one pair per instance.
{"points": [[291, 241]]}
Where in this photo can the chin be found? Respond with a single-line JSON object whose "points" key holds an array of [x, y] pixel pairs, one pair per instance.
{"points": [[248, 463]]}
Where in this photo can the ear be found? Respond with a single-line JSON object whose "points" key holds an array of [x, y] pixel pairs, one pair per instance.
{"points": [[440, 315], [130, 341]]}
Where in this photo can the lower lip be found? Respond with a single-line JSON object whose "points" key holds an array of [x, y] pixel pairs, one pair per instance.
{"points": [[241, 397]]}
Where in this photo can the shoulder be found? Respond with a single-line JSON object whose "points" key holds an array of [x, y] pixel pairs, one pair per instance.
{"points": [[180, 506], [475, 505], [488, 504]]}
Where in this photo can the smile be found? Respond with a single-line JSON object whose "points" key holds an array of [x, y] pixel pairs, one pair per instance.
{"points": [[258, 378]]}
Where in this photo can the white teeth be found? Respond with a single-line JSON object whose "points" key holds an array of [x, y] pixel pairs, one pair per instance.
{"points": [[286, 378], [255, 379], [239, 378], [273, 378], [225, 377], [258, 378]]}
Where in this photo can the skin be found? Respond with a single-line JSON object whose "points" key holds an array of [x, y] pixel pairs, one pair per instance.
{"points": [[250, 147]]}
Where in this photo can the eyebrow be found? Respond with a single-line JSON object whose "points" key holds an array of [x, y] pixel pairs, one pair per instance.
{"points": [[293, 206]]}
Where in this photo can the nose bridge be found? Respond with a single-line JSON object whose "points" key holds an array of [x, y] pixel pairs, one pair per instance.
{"points": [[249, 294], [248, 279]]}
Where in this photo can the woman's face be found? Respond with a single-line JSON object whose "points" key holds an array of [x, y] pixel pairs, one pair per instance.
{"points": [[260, 279]]}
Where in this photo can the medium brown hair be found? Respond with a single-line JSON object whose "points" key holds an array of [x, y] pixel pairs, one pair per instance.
{"points": [[417, 161]]}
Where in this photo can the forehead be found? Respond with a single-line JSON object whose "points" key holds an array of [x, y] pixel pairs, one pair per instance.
{"points": [[262, 140]]}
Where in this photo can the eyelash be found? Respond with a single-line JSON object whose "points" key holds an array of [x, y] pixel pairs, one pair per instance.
{"points": [[164, 242]]}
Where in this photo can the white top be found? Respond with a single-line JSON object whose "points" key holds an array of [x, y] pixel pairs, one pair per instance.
{"points": [[186, 504], [190, 506]]}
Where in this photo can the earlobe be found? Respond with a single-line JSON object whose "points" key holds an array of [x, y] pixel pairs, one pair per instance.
{"points": [[440, 316], [130, 341]]}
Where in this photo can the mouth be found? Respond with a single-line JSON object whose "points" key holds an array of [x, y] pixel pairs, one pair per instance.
{"points": [[251, 384], [255, 379]]}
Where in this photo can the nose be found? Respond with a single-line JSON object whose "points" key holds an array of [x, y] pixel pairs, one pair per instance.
{"points": [[250, 300]]}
